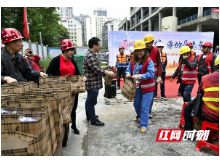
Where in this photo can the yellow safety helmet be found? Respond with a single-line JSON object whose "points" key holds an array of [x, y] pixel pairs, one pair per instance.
{"points": [[139, 44], [184, 49], [217, 60], [148, 38]]}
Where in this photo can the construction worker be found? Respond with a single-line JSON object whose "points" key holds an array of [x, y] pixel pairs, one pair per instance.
{"points": [[131, 55], [210, 106], [206, 61], [192, 53], [160, 46], [155, 56], [141, 69], [190, 45], [14, 66], [121, 64], [187, 74], [32, 59]]}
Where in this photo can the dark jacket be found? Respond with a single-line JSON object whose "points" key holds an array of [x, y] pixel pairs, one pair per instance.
{"points": [[202, 69], [22, 72], [191, 65], [54, 67]]}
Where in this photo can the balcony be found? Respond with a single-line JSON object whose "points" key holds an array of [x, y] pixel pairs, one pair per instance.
{"points": [[145, 16], [207, 12], [154, 10], [191, 18], [194, 17]]}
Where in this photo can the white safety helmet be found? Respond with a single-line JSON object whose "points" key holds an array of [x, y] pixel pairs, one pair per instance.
{"points": [[159, 44], [131, 49]]}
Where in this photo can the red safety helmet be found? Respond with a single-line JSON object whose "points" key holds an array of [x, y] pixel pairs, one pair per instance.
{"points": [[121, 48], [207, 43], [66, 44], [2, 46], [189, 44], [10, 34]]}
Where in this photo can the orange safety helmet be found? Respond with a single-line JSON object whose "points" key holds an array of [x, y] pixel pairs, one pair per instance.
{"points": [[10, 34], [66, 44], [207, 43]]}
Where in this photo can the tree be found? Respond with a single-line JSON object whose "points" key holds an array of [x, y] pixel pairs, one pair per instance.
{"points": [[40, 19]]}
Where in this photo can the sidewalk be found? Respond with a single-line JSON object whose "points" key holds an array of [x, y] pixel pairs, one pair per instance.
{"points": [[122, 137]]}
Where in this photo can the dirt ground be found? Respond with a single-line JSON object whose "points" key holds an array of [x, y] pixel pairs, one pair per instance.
{"points": [[122, 137]]}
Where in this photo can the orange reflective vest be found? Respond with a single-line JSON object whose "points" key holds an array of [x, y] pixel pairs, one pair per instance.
{"points": [[147, 85], [210, 97], [163, 56], [193, 54], [153, 56], [189, 75], [121, 61], [208, 61]]}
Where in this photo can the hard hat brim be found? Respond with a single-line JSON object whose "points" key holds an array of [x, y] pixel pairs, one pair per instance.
{"points": [[12, 40], [139, 48]]}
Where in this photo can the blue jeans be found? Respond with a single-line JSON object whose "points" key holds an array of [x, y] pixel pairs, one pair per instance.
{"points": [[186, 90], [142, 106], [91, 101], [152, 100]]}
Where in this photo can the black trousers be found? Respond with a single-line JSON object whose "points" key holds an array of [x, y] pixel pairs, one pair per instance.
{"points": [[189, 119], [119, 73], [199, 80], [73, 114]]}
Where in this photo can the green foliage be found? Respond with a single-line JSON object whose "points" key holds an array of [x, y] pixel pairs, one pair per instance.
{"points": [[46, 62], [103, 64], [40, 19]]}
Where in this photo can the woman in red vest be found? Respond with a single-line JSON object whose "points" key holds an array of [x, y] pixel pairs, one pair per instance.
{"points": [[141, 69], [65, 64], [187, 73]]}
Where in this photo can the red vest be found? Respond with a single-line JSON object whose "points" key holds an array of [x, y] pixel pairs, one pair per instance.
{"points": [[210, 104], [208, 61], [153, 56], [147, 85], [35, 62], [189, 75]]}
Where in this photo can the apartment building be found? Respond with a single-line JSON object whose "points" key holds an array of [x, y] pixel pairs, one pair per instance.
{"points": [[65, 12], [95, 23], [82, 19], [75, 30], [198, 19], [110, 25], [99, 11]]}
